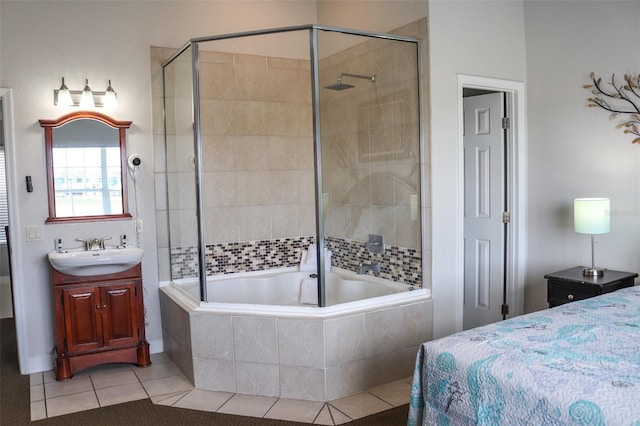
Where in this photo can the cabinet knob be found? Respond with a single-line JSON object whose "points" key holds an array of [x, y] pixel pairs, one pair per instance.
{"points": [[98, 306], [105, 306], [570, 297]]}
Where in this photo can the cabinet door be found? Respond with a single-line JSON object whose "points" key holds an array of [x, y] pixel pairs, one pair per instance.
{"points": [[119, 314], [83, 319]]}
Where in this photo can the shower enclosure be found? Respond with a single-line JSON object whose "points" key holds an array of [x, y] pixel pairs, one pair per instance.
{"points": [[282, 138]]}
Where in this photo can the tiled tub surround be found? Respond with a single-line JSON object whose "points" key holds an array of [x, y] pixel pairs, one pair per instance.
{"points": [[397, 264], [295, 352]]}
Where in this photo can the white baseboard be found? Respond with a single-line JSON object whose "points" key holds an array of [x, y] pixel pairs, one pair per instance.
{"points": [[39, 364], [155, 346]]}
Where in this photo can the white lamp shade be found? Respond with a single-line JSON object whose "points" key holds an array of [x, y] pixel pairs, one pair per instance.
{"points": [[64, 97], [110, 100], [86, 99], [591, 215]]}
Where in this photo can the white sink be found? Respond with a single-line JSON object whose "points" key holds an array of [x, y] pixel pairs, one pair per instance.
{"points": [[81, 262]]}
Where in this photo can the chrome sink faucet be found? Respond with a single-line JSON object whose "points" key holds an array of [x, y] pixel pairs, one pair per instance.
{"points": [[373, 266], [95, 244]]}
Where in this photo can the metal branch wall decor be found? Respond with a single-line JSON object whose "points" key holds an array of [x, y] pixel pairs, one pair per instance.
{"points": [[621, 98]]}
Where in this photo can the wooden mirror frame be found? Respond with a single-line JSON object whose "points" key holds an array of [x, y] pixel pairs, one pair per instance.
{"points": [[122, 127]]}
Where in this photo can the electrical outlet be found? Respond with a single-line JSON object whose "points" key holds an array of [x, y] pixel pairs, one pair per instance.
{"points": [[139, 226]]}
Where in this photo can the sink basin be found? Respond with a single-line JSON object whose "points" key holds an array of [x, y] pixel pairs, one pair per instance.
{"points": [[95, 262]]}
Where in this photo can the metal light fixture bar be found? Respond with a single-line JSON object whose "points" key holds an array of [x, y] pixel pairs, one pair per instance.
{"points": [[66, 97]]}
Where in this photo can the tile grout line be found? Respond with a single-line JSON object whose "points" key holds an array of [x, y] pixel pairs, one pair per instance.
{"points": [[95, 392], [141, 384], [272, 405], [318, 415], [224, 403], [44, 397], [340, 411]]}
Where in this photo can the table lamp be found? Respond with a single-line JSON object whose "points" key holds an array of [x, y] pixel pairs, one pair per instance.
{"points": [[592, 216]]}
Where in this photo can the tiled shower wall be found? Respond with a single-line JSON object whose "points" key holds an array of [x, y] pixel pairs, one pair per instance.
{"points": [[258, 161], [397, 264]]}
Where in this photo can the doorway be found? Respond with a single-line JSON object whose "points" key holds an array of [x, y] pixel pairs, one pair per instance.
{"points": [[492, 141], [485, 206], [14, 262], [6, 295]]}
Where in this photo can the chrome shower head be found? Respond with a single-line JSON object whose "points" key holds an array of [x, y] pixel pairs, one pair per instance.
{"points": [[339, 86], [342, 86]]}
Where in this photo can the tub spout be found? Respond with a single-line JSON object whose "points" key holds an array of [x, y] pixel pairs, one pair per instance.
{"points": [[373, 266]]}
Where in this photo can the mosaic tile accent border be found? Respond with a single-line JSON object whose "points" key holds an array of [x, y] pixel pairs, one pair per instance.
{"points": [[231, 258], [397, 264]]}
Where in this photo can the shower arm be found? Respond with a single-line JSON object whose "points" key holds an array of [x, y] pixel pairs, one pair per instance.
{"points": [[371, 78]]}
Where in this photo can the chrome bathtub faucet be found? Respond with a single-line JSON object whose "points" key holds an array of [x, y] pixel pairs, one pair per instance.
{"points": [[373, 266]]}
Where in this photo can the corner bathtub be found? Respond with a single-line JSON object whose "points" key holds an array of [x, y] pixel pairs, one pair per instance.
{"points": [[255, 337]]}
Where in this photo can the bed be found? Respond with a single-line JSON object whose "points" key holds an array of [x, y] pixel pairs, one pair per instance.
{"points": [[575, 364]]}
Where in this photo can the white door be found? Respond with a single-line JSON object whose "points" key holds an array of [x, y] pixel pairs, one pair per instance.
{"points": [[484, 196]]}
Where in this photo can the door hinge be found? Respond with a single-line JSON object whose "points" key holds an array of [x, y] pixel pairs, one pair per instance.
{"points": [[506, 217], [505, 310], [506, 123]]}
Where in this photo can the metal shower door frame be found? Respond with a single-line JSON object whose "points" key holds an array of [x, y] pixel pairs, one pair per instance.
{"points": [[317, 140]]}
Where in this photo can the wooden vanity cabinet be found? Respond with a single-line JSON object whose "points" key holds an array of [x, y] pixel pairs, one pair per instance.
{"points": [[99, 320]]}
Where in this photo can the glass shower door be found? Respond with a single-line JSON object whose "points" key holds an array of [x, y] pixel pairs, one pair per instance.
{"points": [[180, 167]]}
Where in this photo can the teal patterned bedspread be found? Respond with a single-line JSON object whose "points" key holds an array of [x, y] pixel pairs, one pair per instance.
{"points": [[576, 364]]}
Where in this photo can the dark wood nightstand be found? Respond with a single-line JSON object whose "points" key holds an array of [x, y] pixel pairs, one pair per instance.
{"points": [[571, 285]]}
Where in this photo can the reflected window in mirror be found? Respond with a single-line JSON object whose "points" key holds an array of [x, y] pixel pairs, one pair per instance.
{"points": [[86, 167]]}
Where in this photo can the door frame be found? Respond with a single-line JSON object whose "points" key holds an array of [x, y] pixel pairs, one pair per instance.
{"points": [[14, 224], [516, 192]]}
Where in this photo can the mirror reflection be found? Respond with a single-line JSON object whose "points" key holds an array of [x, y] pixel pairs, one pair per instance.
{"points": [[85, 167]]}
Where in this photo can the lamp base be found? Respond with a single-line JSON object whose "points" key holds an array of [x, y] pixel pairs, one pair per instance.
{"points": [[594, 272]]}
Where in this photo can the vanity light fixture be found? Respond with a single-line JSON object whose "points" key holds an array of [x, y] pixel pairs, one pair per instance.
{"points": [[85, 98]]}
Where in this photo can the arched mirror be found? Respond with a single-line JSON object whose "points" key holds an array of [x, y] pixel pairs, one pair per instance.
{"points": [[86, 167]]}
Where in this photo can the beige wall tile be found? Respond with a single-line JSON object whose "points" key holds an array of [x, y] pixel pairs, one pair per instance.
{"points": [[284, 153], [217, 81], [220, 189], [252, 152], [254, 188], [219, 153], [284, 186]]}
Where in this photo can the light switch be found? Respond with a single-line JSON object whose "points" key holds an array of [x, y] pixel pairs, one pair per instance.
{"points": [[34, 233]]}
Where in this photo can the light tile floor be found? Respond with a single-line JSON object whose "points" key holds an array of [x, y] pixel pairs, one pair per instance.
{"points": [[165, 384]]}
